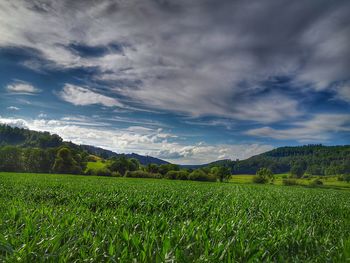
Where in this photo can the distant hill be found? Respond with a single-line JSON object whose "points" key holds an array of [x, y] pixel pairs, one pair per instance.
{"points": [[144, 160], [28, 138], [314, 159]]}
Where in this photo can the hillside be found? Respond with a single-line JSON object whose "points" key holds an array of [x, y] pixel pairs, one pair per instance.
{"points": [[34, 139], [144, 160], [314, 159]]}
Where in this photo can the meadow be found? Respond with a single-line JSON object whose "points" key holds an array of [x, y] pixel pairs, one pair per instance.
{"points": [[69, 218]]}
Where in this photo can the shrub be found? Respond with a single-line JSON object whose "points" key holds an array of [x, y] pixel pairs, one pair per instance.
{"points": [[199, 175], [260, 179], [316, 182], [103, 172], [346, 178], [263, 176], [177, 175], [142, 174], [182, 175], [340, 178], [116, 174], [289, 182], [172, 175]]}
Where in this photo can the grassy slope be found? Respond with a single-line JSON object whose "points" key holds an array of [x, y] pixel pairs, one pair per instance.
{"points": [[43, 217], [96, 165]]}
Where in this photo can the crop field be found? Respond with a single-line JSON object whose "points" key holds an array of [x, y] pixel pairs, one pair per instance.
{"points": [[71, 218]]}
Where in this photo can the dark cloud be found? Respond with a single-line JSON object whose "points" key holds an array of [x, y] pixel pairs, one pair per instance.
{"points": [[200, 57]]}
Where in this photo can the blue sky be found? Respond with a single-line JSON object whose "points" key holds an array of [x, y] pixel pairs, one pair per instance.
{"points": [[186, 81]]}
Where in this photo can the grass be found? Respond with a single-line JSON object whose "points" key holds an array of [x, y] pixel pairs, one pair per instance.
{"points": [[328, 181], [99, 219], [96, 165]]}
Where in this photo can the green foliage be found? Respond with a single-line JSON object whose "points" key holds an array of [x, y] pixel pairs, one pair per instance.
{"points": [[316, 182], [315, 158], [223, 173], [11, 159], [152, 168], [200, 175], [64, 218], [122, 164], [297, 170], [65, 163], [165, 168], [142, 174], [289, 181], [27, 138], [177, 175], [263, 176]]}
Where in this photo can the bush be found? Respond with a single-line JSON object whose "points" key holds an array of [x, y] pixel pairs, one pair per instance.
{"points": [[103, 172], [177, 175], [182, 175], [346, 178], [316, 182], [199, 175], [289, 182], [263, 176], [142, 174], [260, 179], [116, 174]]}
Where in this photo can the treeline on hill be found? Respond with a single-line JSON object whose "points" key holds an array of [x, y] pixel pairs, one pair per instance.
{"points": [[310, 159], [22, 150], [130, 167]]}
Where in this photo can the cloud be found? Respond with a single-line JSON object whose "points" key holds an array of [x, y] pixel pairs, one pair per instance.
{"points": [[22, 87], [147, 141], [84, 96], [13, 108], [202, 61], [20, 123], [319, 128]]}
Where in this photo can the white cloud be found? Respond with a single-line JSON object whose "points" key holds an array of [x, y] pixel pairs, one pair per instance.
{"points": [[320, 128], [84, 96], [22, 87], [153, 142], [197, 61], [14, 122], [13, 108]]}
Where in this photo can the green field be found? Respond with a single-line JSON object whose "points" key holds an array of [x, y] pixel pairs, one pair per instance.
{"points": [[71, 218], [330, 182]]}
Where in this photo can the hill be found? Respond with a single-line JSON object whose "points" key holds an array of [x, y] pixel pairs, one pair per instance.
{"points": [[34, 139], [144, 160], [313, 159]]}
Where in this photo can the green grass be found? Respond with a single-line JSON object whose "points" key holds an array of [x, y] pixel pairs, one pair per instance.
{"points": [[328, 181], [99, 219], [96, 165]]}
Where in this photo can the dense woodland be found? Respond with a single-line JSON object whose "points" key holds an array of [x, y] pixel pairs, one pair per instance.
{"points": [[310, 159], [23, 150]]}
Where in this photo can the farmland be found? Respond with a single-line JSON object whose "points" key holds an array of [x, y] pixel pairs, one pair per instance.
{"points": [[75, 218]]}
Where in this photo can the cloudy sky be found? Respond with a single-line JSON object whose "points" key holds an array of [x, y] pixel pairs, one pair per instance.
{"points": [[185, 81]]}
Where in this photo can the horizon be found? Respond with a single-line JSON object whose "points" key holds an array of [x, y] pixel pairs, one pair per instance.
{"points": [[185, 82]]}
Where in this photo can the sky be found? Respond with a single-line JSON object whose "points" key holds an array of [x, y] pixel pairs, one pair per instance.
{"points": [[186, 81]]}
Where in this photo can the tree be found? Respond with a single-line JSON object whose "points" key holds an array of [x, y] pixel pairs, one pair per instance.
{"points": [[297, 170], [120, 165], [133, 164], [152, 168], [165, 168], [11, 159], [263, 176], [65, 163], [221, 172]]}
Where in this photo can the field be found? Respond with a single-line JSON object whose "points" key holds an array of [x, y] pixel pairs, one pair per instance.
{"points": [[100, 219], [330, 182]]}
